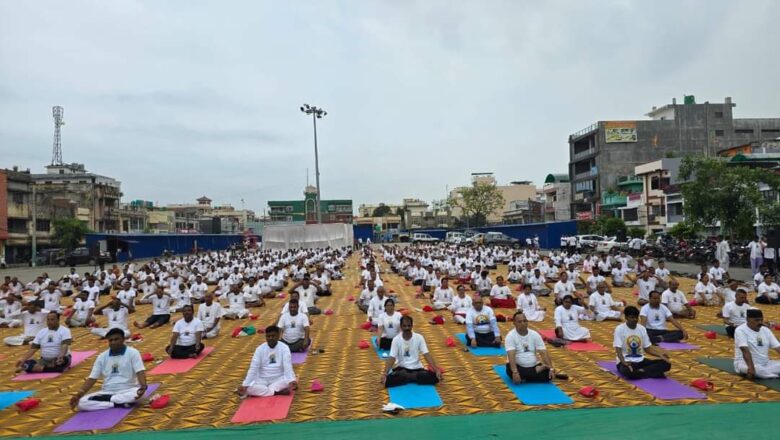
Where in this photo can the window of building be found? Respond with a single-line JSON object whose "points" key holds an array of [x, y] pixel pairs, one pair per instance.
{"points": [[718, 132], [744, 131], [42, 225], [655, 182], [288, 208], [630, 215], [343, 208], [331, 208], [17, 197], [675, 209], [17, 225], [583, 186], [718, 114], [289, 218], [772, 131]]}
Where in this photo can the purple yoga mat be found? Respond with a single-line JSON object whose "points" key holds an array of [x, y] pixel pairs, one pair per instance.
{"points": [[103, 419], [674, 346], [299, 358], [665, 389]]}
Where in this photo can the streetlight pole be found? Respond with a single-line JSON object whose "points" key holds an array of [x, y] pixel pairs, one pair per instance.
{"points": [[316, 113]]}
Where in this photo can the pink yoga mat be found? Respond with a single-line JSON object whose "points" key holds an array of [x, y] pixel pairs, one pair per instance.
{"points": [[175, 366], [664, 389], [103, 419], [574, 346], [676, 346], [263, 409], [299, 358], [76, 357]]}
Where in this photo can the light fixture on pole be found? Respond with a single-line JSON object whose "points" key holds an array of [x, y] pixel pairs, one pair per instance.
{"points": [[316, 113]]}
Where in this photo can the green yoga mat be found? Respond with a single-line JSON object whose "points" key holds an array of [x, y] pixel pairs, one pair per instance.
{"points": [[719, 329], [727, 365]]}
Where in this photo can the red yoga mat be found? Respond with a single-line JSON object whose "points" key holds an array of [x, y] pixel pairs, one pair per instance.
{"points": [[574, 346], [175, 366], [263, 409]]}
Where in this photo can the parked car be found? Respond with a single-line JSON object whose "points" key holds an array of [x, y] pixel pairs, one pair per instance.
{"points": [[476, 238], [454, 237], [590, 240], [48, 256], [82, 255], [610, 245], [500, 239], [421, 237]]}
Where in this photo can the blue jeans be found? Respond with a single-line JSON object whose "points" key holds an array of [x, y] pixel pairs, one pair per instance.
{"points": [[755, 263]]}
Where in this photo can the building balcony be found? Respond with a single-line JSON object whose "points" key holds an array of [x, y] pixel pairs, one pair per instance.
{"points": [[613, 200], [586, 175], [629, 180], [583, 154]]}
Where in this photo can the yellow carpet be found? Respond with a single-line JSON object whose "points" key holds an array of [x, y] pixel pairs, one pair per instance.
{"points": [[204, 397]]}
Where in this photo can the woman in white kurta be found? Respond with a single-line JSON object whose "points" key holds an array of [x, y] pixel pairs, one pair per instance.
{"points": [[567, 321], [528, 303]]}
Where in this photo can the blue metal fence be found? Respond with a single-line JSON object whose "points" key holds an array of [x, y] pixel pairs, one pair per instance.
{"points": [[152, 245]]}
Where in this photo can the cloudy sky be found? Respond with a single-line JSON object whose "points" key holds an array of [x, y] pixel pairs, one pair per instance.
{"points": [[178, 99]]}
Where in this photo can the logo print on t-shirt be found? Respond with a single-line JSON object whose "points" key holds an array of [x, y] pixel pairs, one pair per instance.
{"points": [[51, 339], [272, 358], [115, 368], [634, 345], [759, 342]]}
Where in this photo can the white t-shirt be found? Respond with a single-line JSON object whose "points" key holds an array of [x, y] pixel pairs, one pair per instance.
{"points": [[601, 303], [768, 290], [500, 292], [705, 289], [51, 300], [633, 342], [161, 305], [407, 353], [736, 315], [461, 304], [50, 341], [118, 372], [127, 297], [619, 275], [236, 301], [209, 314], [656, 318], [716, 273], [443, 295], [675, 301], [390, 324], [307, 296], [568, 318], [294, 327], [270, 364], [758, 343], [525, 347], [116, 318], [645, 287], [81, 308], [187, 330], [33, 323], [562, 289]]}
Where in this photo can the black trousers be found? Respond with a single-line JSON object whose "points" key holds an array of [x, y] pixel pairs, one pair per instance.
{"points": [[766, 300], [730, 329], [385, 343], [529, 374], [403, 376], [417, 282], [648, 368], [657, 336], [297, 346], [185, 351], [483, 340], [50, 366]]}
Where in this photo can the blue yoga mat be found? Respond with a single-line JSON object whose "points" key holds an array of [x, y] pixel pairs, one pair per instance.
{"points": [[534, 393], [415, 396], [379, 351], [8, 398], [481, 351]]}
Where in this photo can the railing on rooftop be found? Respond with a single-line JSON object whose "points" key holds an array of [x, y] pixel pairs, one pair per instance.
{"points": [[586, 130]]}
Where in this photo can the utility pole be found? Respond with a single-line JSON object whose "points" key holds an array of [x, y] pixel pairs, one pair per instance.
{"points": [[34, 206], [316, 113]]}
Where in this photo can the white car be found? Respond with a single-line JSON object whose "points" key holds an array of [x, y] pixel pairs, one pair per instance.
{"points": [[421, 237], [454, 237], [610, 243], [590, 240]]}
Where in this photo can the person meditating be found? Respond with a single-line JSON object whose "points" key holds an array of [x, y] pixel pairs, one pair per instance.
{"points": [[54, 342], [123, 374], [567, 321], [752, 342], [631, 342], [524, 350], [271, 371], [294, 328], [481, 325], [187, 334], [403, 363], [653, 317]]}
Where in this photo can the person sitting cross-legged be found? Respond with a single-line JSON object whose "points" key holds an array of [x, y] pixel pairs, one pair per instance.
{"points": [[54, 342], [294, 327], [403, 363], [187, 334], [524, 350], [271, 371], [653, 317], [481, 325], [631, 342], [752, 342], [123, 374], [734, 313]]}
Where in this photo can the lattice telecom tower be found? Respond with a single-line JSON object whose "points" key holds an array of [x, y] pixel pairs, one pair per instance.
{"points": [[56, 156]]}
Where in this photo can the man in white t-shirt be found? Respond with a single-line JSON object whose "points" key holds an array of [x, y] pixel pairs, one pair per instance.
{"points": [[187, 334], [308, 295], [12, 312], [481, 325], [752, 342], [295, 328], [524, 351], [645, 285], [501, 296], [270, 371], [117, 314], [54, 342], [653, 317], [82, 312], [631, 342], [403, 362], [734, 313], [161, 309], [768, 292], [674, 299], [602, 305], [756, 248], [209, 314], [620, 276], [123, 374]]}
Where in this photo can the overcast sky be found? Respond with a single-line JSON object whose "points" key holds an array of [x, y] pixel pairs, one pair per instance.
{"points": [[177, 99]]}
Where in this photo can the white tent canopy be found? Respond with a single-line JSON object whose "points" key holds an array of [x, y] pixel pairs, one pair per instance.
{"points": [[298, 236]]}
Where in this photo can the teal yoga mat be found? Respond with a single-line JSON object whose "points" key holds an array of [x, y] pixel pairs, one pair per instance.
{"points": [[481, 351], [415, 396], [534, 393]]}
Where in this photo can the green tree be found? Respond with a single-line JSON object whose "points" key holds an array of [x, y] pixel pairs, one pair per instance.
{"points": [[69, 232], [477, 201], [716, 191], [636, 232], [610, 226], [381, 211], [684, 230]]}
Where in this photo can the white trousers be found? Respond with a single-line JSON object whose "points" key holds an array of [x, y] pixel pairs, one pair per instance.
{"points": [[770, 370], [102, 331], [11, 322], [16, 340], [213, 333], [439, 305], [534, 315], [127, 396], [267, 387], [238, 313], [602, 315]]}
